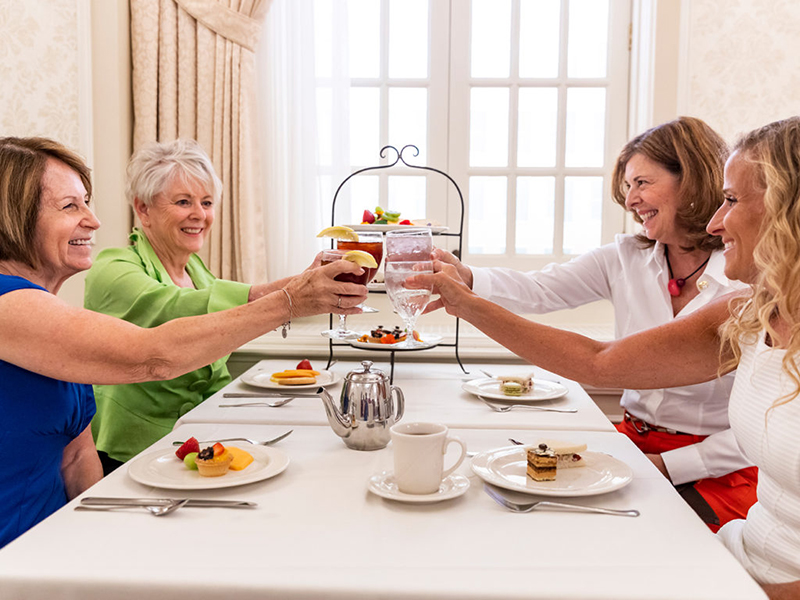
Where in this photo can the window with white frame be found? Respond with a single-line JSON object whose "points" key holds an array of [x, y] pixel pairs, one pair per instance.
{"points": [[522, 102]]}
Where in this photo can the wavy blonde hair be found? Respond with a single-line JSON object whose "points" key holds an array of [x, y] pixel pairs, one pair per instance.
{"points": [[774, 152]]}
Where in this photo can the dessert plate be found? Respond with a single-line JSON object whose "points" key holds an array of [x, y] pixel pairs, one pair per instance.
{"points": [[261, 378], [506, 468], [383, 485], [490, 388], [429, 341], [162, 469], [387, 227]]}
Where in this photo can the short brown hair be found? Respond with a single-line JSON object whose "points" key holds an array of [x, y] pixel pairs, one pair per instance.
{"points": [[22, 165], [690, 149]]}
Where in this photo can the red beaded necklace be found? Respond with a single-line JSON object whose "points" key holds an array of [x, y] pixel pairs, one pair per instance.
{"points": [[674, 286]]}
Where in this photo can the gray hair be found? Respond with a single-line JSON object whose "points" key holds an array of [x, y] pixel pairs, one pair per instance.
{"points": [[156, 164]]}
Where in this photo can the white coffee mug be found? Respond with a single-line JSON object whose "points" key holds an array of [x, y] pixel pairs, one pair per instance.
{"points": [[419, 450]]}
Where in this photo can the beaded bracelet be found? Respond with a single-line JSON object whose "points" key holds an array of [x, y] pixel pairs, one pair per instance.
{"points": [[288, 324]]}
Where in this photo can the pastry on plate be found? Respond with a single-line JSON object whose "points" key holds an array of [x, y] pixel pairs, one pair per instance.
{"points": [[516, 385], [542, 463], [568, 454]]}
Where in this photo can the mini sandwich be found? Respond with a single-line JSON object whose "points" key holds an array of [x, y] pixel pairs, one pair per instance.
{"points": [[512, 385], [295, 377], [567, 453]]}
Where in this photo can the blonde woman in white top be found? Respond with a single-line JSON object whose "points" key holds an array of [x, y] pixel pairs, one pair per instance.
{"points": [[759, 224]]}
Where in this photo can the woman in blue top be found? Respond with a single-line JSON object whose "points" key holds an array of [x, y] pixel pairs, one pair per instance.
{"points": [[50, 351]]}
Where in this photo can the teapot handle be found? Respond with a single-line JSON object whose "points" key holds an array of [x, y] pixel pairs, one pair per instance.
{"points": [[400, 403]]}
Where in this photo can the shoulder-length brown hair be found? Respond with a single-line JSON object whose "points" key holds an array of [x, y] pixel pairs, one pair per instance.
{"points": [[696, 154], [22, 165]]}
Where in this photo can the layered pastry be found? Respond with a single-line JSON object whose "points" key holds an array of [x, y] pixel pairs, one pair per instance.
{"points": [[542, 463], [567, 453], [513, 385], [214, 461], [295, 377]]}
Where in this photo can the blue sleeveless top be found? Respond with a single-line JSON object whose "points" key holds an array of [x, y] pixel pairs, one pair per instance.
{"points": [[39, 416]]}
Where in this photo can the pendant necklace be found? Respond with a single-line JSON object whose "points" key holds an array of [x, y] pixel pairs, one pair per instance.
{"points": [[674, 286]]}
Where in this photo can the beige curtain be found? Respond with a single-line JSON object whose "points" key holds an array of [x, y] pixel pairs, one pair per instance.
{"points": [[194, 77]]}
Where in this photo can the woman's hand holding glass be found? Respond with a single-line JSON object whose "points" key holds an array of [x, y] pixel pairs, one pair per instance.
{"points": [[327, 289]]}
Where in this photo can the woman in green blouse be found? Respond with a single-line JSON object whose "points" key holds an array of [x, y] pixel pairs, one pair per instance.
{"points": [[173, 189]]}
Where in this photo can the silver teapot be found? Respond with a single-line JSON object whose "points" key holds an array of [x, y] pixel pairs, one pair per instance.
{"points": [[366, 411]]}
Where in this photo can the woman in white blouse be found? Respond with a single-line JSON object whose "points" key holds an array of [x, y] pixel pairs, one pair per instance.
{"points": [[670, 178], [759, 331]]}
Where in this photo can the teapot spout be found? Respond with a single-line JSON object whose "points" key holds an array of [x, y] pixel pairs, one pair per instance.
{"points": [[339, 423]]}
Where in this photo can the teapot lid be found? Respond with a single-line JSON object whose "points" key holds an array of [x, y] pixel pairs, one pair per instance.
{"points": [[366, 374]]}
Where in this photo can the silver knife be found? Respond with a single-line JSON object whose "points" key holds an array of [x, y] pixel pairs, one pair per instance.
{"points": [[287, 394], [197, 502]]}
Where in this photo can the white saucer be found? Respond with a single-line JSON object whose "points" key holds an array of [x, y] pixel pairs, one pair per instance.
{"points": [[383, 485]]}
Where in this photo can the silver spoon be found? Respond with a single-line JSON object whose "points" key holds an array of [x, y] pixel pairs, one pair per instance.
{"points": [[501, 408], [241, 439], [157, 511], [529, 506]]}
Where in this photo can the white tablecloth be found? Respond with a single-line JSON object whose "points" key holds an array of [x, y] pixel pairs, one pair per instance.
{"points": [[319, 534], [432, 392]]}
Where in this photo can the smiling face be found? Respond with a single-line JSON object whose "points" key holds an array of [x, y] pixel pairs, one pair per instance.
{"points": [[178, 219], [653, 194], [738, 221], [63, 238]]}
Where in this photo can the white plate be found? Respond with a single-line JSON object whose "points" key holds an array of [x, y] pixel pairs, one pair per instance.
{"points": [[429, 341], [387, 227], [490, 388], [507, 468], [383, 485], [262, 379], [162, 469]]}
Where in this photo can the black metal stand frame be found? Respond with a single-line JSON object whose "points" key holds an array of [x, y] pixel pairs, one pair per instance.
{"points": [[400, 158]]}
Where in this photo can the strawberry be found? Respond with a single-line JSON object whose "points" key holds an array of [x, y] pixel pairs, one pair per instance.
{"points": [[367, 217], [190, 445], [219, 449], [304, 364], [404, 222]]}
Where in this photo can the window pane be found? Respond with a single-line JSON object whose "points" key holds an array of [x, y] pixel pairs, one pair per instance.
{"points": [[539, 28], [323, 37], [538, 123], [536, 198], [586, 121], [407, 195], [583, 203], [487, 215], [324, 127], [364, 194], [364, 23], [491, 38], [408, 120], [488, 127], [588, 38], [364, 126], [408, 38]]}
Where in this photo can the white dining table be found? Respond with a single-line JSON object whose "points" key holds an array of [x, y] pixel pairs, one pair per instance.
{"points": [[318, 533], [433, 392]]}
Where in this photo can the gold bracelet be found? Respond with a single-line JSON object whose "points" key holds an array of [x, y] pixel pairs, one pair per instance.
{"points": [[288, 324]]}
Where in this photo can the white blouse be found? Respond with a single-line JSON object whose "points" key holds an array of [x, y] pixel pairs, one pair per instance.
{"points": [[767, 543], [635, 280]]}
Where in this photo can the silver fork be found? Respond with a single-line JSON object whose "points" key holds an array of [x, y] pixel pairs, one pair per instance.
{"points": [[241, 439], [507, 407], [156, 510], [529, 506]]}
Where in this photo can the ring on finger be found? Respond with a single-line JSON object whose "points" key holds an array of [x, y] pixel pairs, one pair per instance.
{"points": [[339, 302]]}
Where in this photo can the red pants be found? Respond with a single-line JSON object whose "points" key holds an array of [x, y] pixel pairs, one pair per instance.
{"points": [[729, 496]]}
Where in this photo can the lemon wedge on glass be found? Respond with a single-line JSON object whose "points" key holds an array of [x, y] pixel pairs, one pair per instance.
{"points": [[339, 232], [361, 258]]}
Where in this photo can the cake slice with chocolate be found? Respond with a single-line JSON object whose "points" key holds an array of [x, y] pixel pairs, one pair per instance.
{"points": [[542, 463]]}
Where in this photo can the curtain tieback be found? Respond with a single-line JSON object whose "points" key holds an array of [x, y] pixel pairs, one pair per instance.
{"points": [[230, 24]]}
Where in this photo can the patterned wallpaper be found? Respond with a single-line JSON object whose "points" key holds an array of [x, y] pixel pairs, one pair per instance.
{"points": [[743, 63], [39, 69]]}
